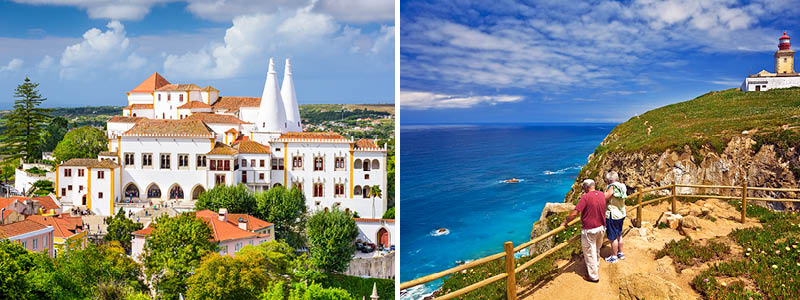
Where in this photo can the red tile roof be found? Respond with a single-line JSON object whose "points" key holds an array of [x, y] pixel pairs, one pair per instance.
{"points": [[366, 144], [47, 202], [143, 232], [150, 84], [253, 223], [194, 104], [373, 220], [251, 147], [90, 163], [312, 136], [223, 230], [212, 118], [222, 149], [234, 103], [138, 106], [19, 228], [124, 119], [180, 87], [63, 226], [170, 128]]}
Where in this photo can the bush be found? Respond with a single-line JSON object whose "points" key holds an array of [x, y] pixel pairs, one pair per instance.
{"points": [[237, 199], [83, 142], [686, 252], [331, 237], [389, 214], [359, 287]]}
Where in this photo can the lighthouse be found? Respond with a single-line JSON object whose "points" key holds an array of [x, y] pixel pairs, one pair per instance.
{"points": [[784, 57]]}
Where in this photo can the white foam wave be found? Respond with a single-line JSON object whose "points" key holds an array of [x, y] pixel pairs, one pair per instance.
{"points": [[562, 171], [416, 293]]}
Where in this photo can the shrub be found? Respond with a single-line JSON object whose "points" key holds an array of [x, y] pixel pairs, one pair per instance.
{"points": [[686, 252]]}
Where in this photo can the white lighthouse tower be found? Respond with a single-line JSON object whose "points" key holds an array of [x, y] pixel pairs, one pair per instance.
{"points": [[290, 100]]}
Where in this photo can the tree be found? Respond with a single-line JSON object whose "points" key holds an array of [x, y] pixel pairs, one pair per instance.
{"points": [[15, 264], [21, 136], [302, 291], [389, 214], [43, 188], [237, 199], [81, 142], [287, 210], [331, 237], [375, 191], [120, 229], [173, 251], [244, 276], [54, 132]]}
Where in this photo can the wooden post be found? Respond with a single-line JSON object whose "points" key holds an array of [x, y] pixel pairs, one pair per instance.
{"points": [[511, 280], [639, 207], [674, 199], [744, 201]]}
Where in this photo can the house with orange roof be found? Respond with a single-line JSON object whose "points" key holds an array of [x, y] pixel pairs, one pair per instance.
{"points": [[16, 208], [32, 235], [66, 230], [230, 231]]}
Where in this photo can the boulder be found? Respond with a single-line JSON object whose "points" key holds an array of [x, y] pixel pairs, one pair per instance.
{"points": [[672, 220], [554, 208], [639, 286], [664, 265], [690, 223]]}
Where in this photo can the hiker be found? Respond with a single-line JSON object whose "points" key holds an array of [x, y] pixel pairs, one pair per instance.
{"points": [[592, 207], [615, 195]]}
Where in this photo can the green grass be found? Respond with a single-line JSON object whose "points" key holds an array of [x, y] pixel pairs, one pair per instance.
{"points": [[686, 252], [771, 264]]}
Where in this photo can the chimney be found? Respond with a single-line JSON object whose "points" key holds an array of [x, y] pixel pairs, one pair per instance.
{"points": [[223, 214], [242, 224], [374, 292]]}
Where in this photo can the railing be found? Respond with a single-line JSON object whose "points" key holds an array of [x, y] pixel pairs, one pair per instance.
{"points": [[510, 271]]}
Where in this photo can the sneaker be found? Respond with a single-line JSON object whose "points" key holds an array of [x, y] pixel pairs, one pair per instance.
{"points": [[621, 256], [612, 259]]}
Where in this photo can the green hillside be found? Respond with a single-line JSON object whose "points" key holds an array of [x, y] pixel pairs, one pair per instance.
{"points": [[711, 119]]}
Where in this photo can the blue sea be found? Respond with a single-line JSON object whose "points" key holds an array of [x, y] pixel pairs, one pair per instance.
{"points": [[452, 176]]}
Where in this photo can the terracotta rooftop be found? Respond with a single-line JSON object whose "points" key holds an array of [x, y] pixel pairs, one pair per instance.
{"points": [[373, 220], [366, 144], [253, 223], [223, 230], [232, 130], [234, 103], [209, 88], [180, 87], [47, 202], [150, 84], [139, 106], [89, 163], [194, 104], [143, 232], [215, 118], [313, 136], [124, 119], [63, 226], [18, 228], [222, 149], [107, 153], [251, 147], [170, 128]]}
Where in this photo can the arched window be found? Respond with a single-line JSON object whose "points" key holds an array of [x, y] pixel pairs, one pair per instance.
{"points": [[154, 191], [131, 192], [175, 192], [375, 164], [365, 191], [357, 164], [357, 190], [366, 165]]}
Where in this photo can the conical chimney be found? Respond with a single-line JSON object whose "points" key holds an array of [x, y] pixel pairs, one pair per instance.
{"points": [[271, 114], [290, 99]]}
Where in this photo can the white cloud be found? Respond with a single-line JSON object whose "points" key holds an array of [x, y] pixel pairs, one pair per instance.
{"points": [[46, 62], [99, 50], [12, 65], [105, 9], [358, 11], [427, 100], [253, 38]]}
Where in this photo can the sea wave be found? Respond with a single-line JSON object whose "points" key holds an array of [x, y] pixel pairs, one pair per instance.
{"points": [[417, 293], [562, 171]]}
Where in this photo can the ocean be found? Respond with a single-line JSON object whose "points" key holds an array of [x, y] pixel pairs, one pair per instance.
{"points": [[452, 177]]}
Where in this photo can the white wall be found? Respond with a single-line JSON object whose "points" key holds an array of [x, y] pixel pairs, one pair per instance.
{"points": [[140, 98], [750, 84], [368, 230]]}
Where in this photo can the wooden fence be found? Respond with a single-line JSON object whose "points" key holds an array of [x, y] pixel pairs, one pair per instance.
{"points": [[510, 249]]}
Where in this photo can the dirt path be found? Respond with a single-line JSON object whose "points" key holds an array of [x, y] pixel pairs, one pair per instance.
{"points": [[640, 246]]}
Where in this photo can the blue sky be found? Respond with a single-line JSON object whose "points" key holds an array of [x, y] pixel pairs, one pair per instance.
{"points": [[90, 52], [567, 61]]}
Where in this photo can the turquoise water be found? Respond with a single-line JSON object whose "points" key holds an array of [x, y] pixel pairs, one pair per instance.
{"points": [[452, 176]]}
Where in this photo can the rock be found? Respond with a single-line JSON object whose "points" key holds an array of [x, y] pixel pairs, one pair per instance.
{"points": [[540, 227], [664, 265], [648, 286], [672, 220], [690, 222], [554, 208]]}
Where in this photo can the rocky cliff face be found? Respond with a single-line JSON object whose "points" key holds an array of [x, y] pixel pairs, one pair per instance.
{"points": [[770, 166]]}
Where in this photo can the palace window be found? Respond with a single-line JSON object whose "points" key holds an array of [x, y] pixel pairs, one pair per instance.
{"points": [[169, 96], [318, 190], [129, 159], [244, 163], [201, 161], [165, 164], [227, 165], [63, 191], [297, 162], [80, 188], [261, 163], [67, 172], [338, 190], [318, 164], [183, 161], [159, 97], [180, 98], [277, 163], [147, 159], [101, 174], [366, 165], [80, 172], [260, 176], [252, 163], [338, 163], [244, 177], [69, 187], [100, 195], [219, 179]]}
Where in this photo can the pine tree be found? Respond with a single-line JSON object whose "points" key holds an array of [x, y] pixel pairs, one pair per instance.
{"points": [[22, 128]]}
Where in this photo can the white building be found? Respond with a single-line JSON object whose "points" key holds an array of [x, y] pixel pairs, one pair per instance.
{"points": [[175, 141], [784, 75]]}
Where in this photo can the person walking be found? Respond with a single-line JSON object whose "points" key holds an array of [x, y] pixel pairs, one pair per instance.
{"points": [[615, 195], [592, 207]]}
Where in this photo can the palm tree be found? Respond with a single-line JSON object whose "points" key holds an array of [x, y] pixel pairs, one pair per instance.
{"points": [[375, 191]]}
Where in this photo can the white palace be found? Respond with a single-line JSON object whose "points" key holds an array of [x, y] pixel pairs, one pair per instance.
{"points": [[175, 141]]}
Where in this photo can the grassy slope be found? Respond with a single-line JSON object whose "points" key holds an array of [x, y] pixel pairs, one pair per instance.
{"points": [[711, 118]]}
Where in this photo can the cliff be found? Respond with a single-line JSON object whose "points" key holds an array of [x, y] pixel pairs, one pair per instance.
{"points": [[722, 138]]}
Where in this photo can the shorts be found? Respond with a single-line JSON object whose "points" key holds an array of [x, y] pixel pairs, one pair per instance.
{"points": [[614, 228]]}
